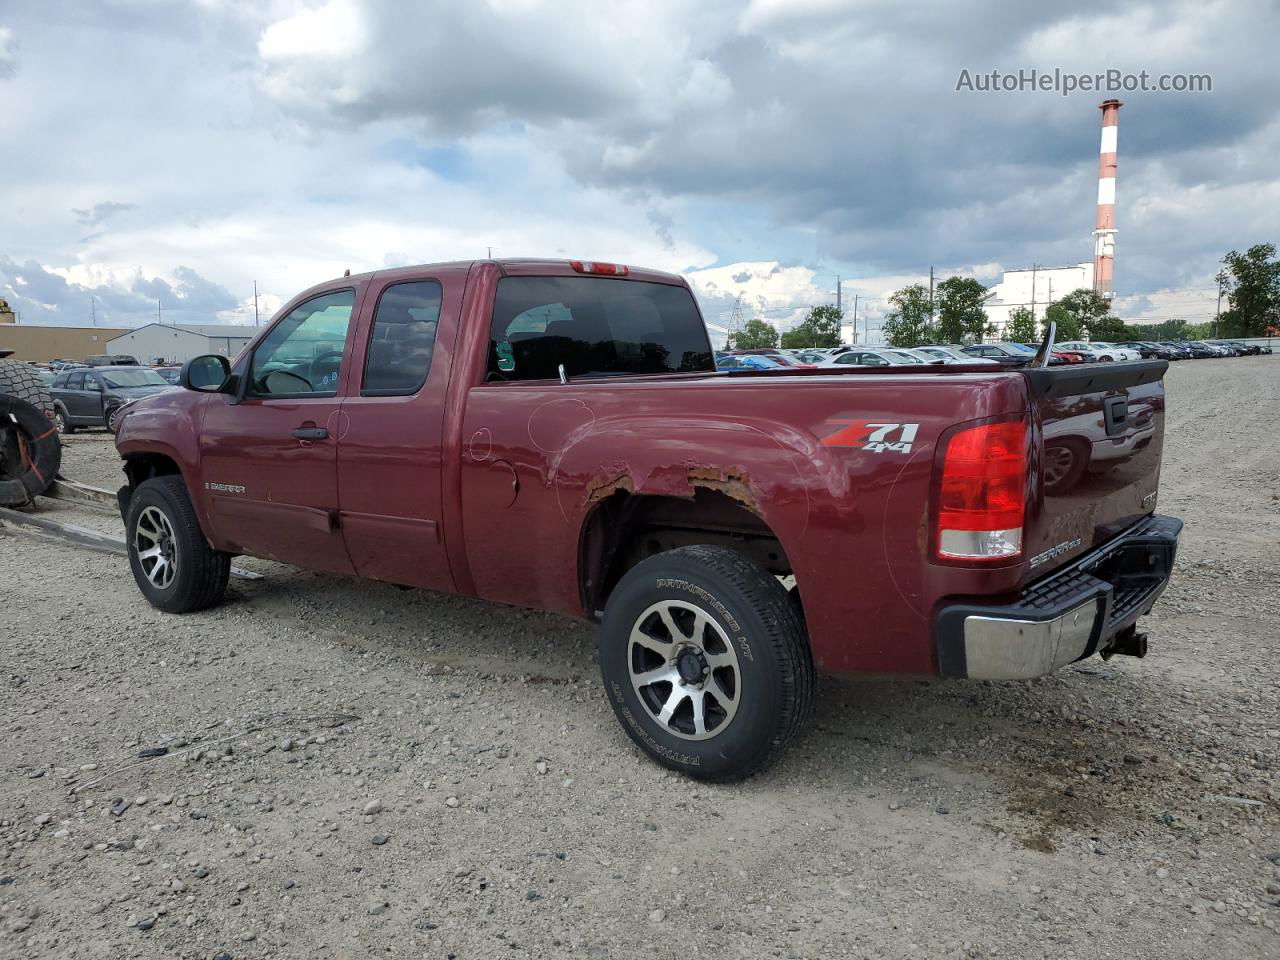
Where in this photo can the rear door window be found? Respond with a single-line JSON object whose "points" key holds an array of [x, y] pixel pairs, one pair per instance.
{"points": [[402, 340], [594, 327]]}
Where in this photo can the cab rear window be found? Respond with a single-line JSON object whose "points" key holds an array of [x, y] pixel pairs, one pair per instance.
{"points": [[594, 327]]}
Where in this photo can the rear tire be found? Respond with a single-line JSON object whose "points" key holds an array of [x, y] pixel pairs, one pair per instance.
{"points": [[722, 694], [172, 562], [62, 421], [111, 418]]}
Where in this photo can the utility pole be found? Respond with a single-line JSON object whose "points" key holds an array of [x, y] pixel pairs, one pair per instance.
{"points": [[490, 249], [159, 319], [93, 308], [931, 294], [255, 303], [855, 320], [1218, 313], [838, 300], [1034, 267]]}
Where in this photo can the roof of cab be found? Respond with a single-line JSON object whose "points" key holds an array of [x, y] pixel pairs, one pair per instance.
{"points": [[510, 266]]}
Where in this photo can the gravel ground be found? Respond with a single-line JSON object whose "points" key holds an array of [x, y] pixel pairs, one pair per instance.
{"points": [[355, 769]]}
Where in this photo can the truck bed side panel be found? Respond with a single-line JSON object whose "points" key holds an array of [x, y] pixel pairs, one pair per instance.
{"points": [[538, 457]]}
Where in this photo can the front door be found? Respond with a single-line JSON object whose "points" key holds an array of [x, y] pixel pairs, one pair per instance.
{"points": [[390, 458], [269, 459]]}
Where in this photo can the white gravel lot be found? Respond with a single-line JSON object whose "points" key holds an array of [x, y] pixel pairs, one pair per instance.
{"points": [[371, 771]]}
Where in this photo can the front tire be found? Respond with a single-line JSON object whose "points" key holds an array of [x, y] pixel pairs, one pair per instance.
{"points": [[706, 662], [173, 564]]}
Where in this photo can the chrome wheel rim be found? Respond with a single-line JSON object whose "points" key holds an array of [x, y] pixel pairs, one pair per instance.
{"points": [[684, 670], [60, 421], [1058, 462], [156, 546]]}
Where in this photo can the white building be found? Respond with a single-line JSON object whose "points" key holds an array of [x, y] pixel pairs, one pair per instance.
{"points": [[1034, 288], [160, 342]]}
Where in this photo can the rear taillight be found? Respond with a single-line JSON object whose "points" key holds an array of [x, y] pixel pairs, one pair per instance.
{"points": [[594, 266], [982, 493]]}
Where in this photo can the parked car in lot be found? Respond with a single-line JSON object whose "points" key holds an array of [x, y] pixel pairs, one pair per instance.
{"points": [[1100, 350], [1205, 351], [952, 355], [1005, 353], [170, 373], [111, 360], [750, 361], [778, 356], [868, 357], [556, 436], [94, 396], [1149, 350]]}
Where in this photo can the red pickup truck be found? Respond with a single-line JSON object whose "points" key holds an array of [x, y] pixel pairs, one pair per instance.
{"points": [[555, 435]]}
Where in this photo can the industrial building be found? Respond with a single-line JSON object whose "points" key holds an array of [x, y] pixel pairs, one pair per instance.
{"points": [[40, 344], [163, 343], [1034, 288]]}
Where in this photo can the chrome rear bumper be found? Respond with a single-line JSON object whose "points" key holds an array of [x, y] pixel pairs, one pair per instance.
{"points": [[1070, 614]]}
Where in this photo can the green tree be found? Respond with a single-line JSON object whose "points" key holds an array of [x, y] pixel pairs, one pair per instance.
{"points": [[1110, 328], [757, 333], [1082, 311], [961, 315], [1069, 327], [1252, 284], [1022, 325], [907, 324], [820, 328]]}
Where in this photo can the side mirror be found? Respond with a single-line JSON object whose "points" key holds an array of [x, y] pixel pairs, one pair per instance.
{"points": [[206, 374]]}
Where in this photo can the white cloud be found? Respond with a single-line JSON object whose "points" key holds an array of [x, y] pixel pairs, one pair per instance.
{"points": [[8, 53], [284, 141]]}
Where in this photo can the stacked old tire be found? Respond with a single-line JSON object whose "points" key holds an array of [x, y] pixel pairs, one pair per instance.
{"points": [[30, 448]]}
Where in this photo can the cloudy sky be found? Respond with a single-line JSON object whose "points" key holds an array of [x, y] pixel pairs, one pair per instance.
{"points": [[178, 150]]}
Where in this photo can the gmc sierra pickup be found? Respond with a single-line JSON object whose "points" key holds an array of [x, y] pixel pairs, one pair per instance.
{"points": [[555, 435]]}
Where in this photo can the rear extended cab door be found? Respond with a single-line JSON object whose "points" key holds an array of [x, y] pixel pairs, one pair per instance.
{"points": [[390, 449]]}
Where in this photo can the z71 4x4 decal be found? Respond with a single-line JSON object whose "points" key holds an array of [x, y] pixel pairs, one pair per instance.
{"points": [[872, 437]]}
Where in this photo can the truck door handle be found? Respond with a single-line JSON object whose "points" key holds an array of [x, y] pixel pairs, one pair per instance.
{"points": [[311, 433]]}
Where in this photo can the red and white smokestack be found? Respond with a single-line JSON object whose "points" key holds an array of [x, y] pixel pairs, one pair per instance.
{"points": [[1104, 235]]}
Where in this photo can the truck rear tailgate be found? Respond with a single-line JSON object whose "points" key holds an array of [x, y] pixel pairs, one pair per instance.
{"points": [[1101, 432]]}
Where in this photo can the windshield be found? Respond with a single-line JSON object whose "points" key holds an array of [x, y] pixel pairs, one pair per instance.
{"points": [[1019, 347], [133, 378]]}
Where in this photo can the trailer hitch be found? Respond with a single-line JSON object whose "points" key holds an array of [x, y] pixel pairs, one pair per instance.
{"points": [[1128, 643]]}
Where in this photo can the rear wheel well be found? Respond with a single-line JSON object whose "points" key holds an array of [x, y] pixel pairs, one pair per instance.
{"points": [[625, 528]]}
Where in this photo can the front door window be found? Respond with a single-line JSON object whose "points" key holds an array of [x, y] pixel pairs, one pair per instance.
{"points": [[302, 355]]}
